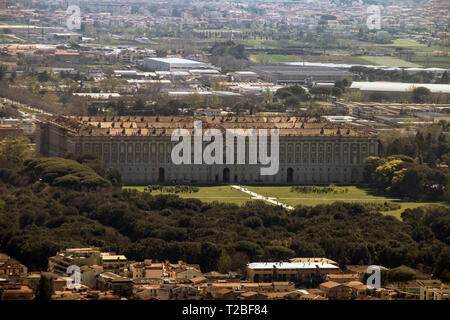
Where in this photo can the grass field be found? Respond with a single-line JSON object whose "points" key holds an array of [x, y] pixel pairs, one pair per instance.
{"points": [[210, 194], [354, 194], [26, 110], [284, 195], [386, 61], [276, 58], [404, 43]]}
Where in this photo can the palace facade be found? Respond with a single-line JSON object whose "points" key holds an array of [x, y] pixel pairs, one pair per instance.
{"points": [[311, 150]]}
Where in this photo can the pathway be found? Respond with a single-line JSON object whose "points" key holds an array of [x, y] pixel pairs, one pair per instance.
{"points": [[261, 197]]}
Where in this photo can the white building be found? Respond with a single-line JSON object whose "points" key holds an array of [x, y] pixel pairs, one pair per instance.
{"points": [[174, 64]]}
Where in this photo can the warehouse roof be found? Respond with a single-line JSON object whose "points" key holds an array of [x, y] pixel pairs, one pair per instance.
{"points": [[399, 86], [176, 61]]}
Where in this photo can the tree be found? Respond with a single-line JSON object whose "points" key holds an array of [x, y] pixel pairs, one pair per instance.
{"points": [[292, 101], [16, 150], [441, 268], [50, 98], [337, 92], [400, 275], [224, 262], [420, 94], [278, 253], [444, 79], [45, 289], [340, 84], [2, 73], [446, 159], [408, 124]]}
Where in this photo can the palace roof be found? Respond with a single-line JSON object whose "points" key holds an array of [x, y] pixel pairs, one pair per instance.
{"points": [[165, 125]]}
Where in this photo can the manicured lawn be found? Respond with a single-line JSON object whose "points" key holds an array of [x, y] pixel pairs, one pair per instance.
{"points": [[354, 194], [210, 194], [283, 194]]}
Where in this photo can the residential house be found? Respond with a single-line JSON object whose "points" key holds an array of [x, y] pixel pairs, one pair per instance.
{"points": [[147, 270], [335, 291], [11, 268], [19, 292], [252, 295]]}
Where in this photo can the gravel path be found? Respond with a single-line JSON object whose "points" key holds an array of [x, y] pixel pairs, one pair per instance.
{"points": [[261, 197]]}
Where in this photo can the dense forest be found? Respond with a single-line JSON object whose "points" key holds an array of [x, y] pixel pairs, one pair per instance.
{"points": [[41, 213]]}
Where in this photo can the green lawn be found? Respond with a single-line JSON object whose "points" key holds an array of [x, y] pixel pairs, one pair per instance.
{"points": [[354, 194], [276, 58], [210, 194], [284, 195], [386, 61], [404, 43], [30, 111]]}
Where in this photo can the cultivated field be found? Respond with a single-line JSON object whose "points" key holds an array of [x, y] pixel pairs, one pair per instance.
{"points": [[387, 61]]}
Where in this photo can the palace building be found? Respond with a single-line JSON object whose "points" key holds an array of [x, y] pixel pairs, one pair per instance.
{"points": [[311, 150]]}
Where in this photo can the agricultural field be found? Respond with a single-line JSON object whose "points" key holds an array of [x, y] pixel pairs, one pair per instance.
{"points": [[275, 58], [386, 61]]}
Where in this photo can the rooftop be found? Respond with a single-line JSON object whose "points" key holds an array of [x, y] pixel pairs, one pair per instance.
{"points": [[165, 125], [291, 265], [176, 60], [399, 86]]}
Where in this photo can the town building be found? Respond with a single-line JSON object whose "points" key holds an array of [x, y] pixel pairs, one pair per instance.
{"points": [[117, 264], [398, 89], [147, 270], [18, 292], [11, 268], [287, 74], [174, 64], [287, 271], [245, 76], [10, 130], [109, 281], [73, 256], [434, 291], [334, 290]]}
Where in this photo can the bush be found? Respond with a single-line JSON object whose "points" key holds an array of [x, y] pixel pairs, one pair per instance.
{"points": [[172, 189], [320, 190]]}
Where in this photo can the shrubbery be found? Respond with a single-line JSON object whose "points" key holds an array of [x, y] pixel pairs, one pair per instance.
{"points": [[316, 189], [172, 189]]}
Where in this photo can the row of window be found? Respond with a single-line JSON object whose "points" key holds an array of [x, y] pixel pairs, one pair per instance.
{"points": [[161, 152]]}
